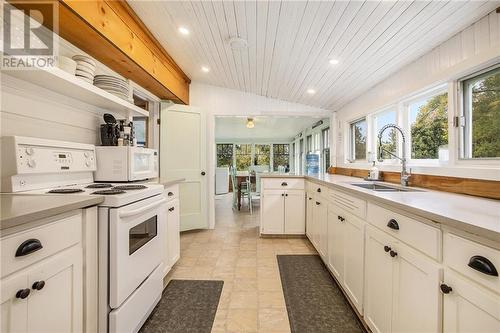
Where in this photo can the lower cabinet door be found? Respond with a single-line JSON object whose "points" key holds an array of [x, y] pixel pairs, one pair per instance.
{"points": [[273, 212], [57, 306], [353, 255], [13, 308], [378, 281], [320, 216], [335, 243], [469, 307], [309, 218], [416, 296], [295, 209], [173, 236]]}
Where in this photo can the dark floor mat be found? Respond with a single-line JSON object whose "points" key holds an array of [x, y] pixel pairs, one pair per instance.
{"points": [[314, 302], [186, 306]]}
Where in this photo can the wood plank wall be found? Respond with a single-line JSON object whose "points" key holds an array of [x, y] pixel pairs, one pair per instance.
{"points": [[476, 187]]}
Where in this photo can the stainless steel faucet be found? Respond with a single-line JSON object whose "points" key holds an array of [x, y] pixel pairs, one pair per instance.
{"points": [[405, 174]]}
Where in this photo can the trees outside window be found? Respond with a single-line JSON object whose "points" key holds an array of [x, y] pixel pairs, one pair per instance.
{"points": [[224, 154], [389, 137], [281, 155], [482, 115], [429, 126], [358, 139], [243, 156], [262, 154]]}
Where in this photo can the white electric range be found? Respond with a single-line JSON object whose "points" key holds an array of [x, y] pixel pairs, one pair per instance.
{"points": [[131, 223]]}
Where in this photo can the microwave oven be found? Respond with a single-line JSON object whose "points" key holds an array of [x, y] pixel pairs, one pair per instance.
{"points": [[125, 163]]}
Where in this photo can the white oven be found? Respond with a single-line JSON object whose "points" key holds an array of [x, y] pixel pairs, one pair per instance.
{"points": [[125, 163]]}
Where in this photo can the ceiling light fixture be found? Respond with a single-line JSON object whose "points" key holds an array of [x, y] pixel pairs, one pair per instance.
{"points": [[237, 43], [184, 30], [334, 61], [311, 91], [250, 123], [205, 69]]}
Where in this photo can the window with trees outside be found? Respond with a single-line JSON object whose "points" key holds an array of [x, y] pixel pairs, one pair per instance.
{"points": [[358, 140], [390, 136], [326, 147], [281, 155], [481, 110], [243, 154], [224, 154], [262, 154], [428, 120]]}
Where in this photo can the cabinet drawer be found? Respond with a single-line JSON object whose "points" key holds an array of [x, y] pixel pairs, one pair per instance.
{"points": [[53, 237], [352, 204], [317, 189], [421, 236], [474, 260], [171, 192], [283, 183]]}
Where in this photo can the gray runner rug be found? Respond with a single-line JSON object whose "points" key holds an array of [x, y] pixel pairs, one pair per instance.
{"points": [[314, 302], [186, 306]]}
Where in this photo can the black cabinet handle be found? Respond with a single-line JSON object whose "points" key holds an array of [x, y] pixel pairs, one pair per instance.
{"points": [[171, 209], [483, 265], [318, 190], [284, 184], [393, 253], [393, 224], [203, 173], [38, 285], [282, 194], [170, 194], [28, 246], [310, 198], [387, 248], [445, 289], [286, 194], [318, 203], [23, 293]]}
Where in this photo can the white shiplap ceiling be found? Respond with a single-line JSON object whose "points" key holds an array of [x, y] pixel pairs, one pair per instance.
{"points": [[290, 43]]}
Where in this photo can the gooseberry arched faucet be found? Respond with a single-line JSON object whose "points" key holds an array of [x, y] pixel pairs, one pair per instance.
{"points": [[405, 175]]}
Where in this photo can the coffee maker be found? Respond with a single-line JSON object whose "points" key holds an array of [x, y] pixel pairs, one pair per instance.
{"points": [[110, 131]]}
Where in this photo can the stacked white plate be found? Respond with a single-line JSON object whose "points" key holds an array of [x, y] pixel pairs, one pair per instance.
{"points": [[114, 85], [85, 68]]}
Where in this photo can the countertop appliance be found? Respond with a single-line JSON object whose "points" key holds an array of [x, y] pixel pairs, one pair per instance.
{"points": [[125, 163], [221, 180], [131, 222]]}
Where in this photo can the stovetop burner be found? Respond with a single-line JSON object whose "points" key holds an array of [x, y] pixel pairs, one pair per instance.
{"points": [[129, 187], [65, 190], [109, 192], [99, 185]]}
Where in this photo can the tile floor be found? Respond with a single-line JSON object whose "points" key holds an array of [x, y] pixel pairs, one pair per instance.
{"points": [[252, 298]]}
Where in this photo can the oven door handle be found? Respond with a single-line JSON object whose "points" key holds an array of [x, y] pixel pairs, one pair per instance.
{"points": [[142, 209]]}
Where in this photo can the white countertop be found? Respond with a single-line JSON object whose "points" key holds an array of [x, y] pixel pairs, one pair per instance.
{"points": [[472, 214]]}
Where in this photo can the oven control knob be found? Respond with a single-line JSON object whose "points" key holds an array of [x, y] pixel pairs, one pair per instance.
{"points": [[31, 163], [29, 151]]}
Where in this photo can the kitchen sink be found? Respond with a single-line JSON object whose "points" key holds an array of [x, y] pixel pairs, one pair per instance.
{"points": [[384, 188]]}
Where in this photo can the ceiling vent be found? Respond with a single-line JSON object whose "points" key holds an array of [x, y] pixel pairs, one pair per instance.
{"points": [[237, 43]]}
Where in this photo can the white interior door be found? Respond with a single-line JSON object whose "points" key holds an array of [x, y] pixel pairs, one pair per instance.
{"points": [[183, 155]]}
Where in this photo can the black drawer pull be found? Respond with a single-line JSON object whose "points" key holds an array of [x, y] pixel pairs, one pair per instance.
{"points": [[284, 184], [387, 248], [318, 190], [318, 203], [393, 253], [445, 289], [171, 209], [310, 198], [23, 293], [170, 194], [483, 265], [28, 246], [38, 285], [393, 224]]}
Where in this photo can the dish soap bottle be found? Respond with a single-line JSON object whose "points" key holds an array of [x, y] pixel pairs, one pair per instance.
{"points": [[374, 173]]}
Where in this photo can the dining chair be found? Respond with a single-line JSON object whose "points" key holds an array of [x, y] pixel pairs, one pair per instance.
{"points": [[255, 194]]}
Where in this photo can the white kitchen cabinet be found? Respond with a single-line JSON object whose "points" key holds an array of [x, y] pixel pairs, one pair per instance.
{"points": [[467, 306], [320, 220], [309, 218], [401, 287], [52, 299], [294, 212], [173, 233], [335, 242], [283, 212]]}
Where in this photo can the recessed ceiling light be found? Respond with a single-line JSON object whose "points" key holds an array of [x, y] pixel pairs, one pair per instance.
{"points": [[205, 69], [311, 91], [184, 30], [334, 61]]}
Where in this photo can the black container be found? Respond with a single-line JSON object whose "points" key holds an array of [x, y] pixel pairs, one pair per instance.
{"points": [[109, 134]]}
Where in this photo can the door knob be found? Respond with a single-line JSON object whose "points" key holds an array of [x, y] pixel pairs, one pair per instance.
{"points": [[393, 253], [23, 293], [38, 285], [203, 173], [387, 248], [445, 289]]}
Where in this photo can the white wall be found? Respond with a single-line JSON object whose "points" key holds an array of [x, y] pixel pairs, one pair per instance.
{"points": [[217, 101], [472, 49]]}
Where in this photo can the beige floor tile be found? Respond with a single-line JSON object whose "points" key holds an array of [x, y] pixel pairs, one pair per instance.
{"points": [[269, 284], [267, 272], [246, 273], [271, 299], [246, 262], [242, 300], [274, 320], [245, 285], [242, 320]]}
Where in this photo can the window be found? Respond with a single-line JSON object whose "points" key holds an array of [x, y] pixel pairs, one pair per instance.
{"points": [[243, 156], [390, 135], [325, 134], [428, 120], [358, 140], [316, 142], [481, 105], [309, 143], [224, 154], [281, 155], [262, 155], [141, 130]]}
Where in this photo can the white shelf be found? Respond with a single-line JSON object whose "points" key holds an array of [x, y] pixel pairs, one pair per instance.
{"points": [[69, 85]]}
